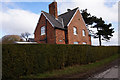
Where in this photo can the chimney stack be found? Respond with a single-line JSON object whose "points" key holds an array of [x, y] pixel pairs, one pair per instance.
{"points": [[53, 9]]}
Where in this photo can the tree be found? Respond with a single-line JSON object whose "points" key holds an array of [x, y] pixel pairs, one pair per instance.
{"points": [[10, 39], [25, 35], [104, 31], [89, 20]]}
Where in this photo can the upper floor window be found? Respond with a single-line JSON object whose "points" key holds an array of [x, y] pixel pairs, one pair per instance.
{"points": [[75, 30], [83, 32], [43, 30]]}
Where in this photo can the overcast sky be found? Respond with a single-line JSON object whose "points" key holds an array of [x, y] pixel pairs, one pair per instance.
{"points": [[17, 17]]}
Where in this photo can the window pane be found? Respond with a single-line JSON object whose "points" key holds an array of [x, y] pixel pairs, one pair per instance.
{"points": [[75, 30], [83, 31], [75, 42], [84, 42], [43, 30]]}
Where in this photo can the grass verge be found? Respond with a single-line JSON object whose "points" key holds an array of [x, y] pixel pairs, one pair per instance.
{"points": [[74, 69]]}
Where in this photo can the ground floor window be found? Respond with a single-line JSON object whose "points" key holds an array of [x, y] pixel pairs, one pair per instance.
{"points": [[75, 42], [84, 43]]}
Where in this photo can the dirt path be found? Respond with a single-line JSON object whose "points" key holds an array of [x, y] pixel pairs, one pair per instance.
{"points": [[109, 73], [112, 71], [92, 73]]}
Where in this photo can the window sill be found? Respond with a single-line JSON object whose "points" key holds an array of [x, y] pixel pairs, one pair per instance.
{"points": [[75, 34]]}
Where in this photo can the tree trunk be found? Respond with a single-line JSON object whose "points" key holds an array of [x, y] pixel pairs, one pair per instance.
{"points": [[26, 39], [100, 40], [99, 37]]}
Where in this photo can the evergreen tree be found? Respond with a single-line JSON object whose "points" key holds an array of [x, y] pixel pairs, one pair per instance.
{"points": [[104, 31]]}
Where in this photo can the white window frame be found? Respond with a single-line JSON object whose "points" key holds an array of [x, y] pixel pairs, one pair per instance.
{"points": [[43, 30], [84, 43], [74, 30], [83, 32], [76, 42]]}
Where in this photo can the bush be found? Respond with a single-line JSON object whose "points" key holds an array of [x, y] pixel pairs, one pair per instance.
{"points": [[20, 60]]}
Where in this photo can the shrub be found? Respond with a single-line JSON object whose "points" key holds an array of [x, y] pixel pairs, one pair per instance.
{"points": [[20, 60]]}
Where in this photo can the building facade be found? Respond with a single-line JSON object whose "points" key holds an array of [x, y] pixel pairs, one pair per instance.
{"points": [[66, 28]]}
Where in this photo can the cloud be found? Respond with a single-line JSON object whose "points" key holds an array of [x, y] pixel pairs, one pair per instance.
{"points": [[16, 21], [95, 7]]}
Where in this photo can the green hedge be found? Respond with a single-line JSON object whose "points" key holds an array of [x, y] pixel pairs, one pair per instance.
{"points": [[20, 60]]}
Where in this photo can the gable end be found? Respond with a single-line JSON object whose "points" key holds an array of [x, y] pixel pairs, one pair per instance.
{"points": [[72, 18], [39, 20]]}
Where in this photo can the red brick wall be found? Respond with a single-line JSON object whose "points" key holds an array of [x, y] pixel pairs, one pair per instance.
{"points": [[60, 36], [50, 34], [37, 33], [80, 25], [50, 31]]}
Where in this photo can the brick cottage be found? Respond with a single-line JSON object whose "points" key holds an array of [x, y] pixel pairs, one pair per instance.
{"points": [[67, 28]]}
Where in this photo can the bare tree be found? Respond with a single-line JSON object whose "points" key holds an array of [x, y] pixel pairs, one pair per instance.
{"points": [[25, 35]]}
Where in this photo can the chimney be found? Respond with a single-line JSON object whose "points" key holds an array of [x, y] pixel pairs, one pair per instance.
{"points": [[53, 9]]}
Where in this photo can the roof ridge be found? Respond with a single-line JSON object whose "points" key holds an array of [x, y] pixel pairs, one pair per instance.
{"points": [[68, 12]]}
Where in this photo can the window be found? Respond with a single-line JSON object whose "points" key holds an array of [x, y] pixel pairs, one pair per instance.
{"points": [[75, 30], [84, 42], [83, 31], [43, 30], [60, 40], [75, 42]]}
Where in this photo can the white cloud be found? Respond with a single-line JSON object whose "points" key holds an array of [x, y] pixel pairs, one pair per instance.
{"points": [[95, 7], [15, 21]]}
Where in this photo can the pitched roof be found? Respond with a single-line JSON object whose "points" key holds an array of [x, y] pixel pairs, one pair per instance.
{"points": [[62, 20], [68, 16], [58, 23]]}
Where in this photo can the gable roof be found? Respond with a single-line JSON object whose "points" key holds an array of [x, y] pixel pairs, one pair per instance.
{"points": [[57, 23], [63, 19], [68, 16]]}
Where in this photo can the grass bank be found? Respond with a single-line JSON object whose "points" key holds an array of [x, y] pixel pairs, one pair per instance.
{"points": [[74, 69]]}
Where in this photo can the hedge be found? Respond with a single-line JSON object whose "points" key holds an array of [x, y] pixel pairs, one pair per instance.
{"points": [[27, 59]]}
